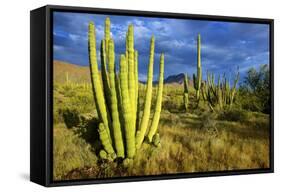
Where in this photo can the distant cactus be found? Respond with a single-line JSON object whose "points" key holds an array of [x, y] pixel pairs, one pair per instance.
{"points": [[185, 93], [220, 94], [197, 79], [117, 98], [66, 78]]}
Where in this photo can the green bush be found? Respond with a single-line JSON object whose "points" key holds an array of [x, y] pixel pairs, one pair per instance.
{"points": [[71, 117]]}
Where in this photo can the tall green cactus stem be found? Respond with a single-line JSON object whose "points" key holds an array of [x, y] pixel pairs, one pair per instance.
{"points": [[131, 71], [233, 89], [107, 34], [156, 116], [106, 86], [219, 93], [136, 77], [95, 79], [126, 109], [118, 140], [185, 96], [105, 141], [199, 70], [194, 81], [136, 88], [146, 113]]}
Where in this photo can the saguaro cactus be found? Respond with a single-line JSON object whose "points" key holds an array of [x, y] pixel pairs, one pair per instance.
{"points": [[116, 96], [185, 93], [198, 79]]}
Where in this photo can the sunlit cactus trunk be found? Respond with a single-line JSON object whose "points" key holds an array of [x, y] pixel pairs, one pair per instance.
{"points": [[131, 71], [126, 109], [185, 93], [118, 140], [107, 34], [156, 116], [104, 137], [95, 79], [117, 98], [104, 59], [147, 102], [136, 89]]}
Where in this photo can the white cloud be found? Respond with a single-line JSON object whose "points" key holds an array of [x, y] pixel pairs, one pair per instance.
{"points": [[142, 77], [58, 48], [74, 37]]}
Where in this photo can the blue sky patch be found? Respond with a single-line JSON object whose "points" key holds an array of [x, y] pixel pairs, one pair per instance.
{"points": [[225, 45]]}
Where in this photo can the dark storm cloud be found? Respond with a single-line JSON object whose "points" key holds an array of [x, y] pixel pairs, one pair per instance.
{"points": [[225, 45]]}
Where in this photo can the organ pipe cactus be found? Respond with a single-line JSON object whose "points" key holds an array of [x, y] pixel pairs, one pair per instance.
{"points": [[197, 79], [148, 96], [126, 109], [117, 98], [95, 79], [222, 94], [158, 106], [118, 140]]}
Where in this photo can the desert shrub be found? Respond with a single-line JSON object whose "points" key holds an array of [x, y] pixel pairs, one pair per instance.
{"points": [[174, 104], [233, 115], [71, 117], [255, 91]]}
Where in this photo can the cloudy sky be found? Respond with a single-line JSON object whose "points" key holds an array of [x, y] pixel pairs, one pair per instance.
{"points": [[225, 45]]}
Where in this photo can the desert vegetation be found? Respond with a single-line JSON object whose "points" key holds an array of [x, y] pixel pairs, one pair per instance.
{"points": [[108, 124]]}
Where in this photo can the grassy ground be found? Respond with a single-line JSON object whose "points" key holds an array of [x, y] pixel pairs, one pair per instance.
{"points": [[196, 141]]}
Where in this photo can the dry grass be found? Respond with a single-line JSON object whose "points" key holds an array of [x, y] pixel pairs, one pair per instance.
{"points": [[189, 142]]}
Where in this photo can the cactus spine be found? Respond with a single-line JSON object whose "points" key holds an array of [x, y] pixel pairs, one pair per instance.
{"points": [[158, 106], [146, 113], [198, 79], [185, 94], [117, 99]]}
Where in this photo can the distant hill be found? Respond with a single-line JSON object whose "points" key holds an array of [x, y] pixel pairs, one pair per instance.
{"points": [[81, 74], [76, 73], [175, 78]]}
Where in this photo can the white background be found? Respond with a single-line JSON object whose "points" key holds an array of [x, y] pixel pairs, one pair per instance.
{"points": [[14, 95]]}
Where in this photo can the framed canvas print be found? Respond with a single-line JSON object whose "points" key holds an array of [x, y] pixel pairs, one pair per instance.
{"points": [[120, 95]]}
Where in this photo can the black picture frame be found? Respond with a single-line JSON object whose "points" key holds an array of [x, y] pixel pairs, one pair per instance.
{"points": [[41, 100]]}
